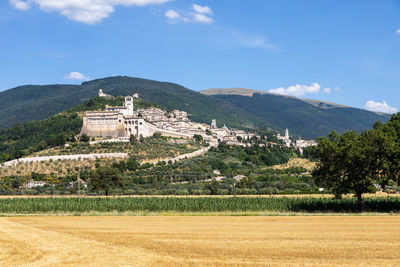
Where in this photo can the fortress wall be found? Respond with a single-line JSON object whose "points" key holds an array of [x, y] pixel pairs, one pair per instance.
{"points": [[112, 128]]}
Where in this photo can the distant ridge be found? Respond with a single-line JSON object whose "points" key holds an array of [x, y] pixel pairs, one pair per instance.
{"points": [[251, 92], [308, 118], [231, 91]]}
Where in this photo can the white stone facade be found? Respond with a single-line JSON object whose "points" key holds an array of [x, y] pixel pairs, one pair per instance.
{"points": [[120, 122]]}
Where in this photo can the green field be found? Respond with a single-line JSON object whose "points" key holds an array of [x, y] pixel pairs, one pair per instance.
{"points": [[197, 205]]}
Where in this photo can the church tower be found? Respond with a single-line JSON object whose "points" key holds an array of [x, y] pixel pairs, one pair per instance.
{"points": [[214, 123], [129, 105]]}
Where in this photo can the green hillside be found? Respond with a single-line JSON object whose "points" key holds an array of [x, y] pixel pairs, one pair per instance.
{"points": [[302, 118], [308, 118], [26, 138], [31, 102]]}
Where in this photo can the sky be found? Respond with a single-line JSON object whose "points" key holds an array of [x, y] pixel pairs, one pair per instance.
{"points": [[342, 51]]}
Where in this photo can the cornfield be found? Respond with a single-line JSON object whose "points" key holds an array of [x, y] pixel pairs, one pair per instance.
{"points": [[207, 204]]}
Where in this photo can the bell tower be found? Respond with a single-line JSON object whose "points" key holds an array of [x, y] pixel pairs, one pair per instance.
{"points": [[129, 105]]}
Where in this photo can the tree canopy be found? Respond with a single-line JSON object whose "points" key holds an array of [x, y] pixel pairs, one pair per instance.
{"points": [[355, 163], [106, 179]]}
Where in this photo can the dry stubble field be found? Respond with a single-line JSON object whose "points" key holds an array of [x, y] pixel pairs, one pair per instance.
{"points": [[200, 241]]}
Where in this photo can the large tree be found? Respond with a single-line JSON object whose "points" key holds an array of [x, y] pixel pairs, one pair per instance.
{"points": [[106, 179], [354, 163]]}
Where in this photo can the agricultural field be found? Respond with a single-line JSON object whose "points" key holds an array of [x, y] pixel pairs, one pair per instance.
{"points": [[200, 241], [193, 205], [296, 163], [149, 151], [57, 167]]}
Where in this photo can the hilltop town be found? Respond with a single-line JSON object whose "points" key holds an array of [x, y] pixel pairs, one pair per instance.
{"points": [[119, 123]]}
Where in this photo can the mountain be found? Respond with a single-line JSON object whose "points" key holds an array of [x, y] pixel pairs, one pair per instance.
{"points": [[34, 102], [307, 118], [235, 107]]}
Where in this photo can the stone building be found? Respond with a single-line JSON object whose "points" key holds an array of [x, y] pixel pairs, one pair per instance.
{"points": [[285, 139], [101, 94], [120, 122]]}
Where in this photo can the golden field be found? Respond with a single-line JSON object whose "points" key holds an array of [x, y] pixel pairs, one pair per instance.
{"points": [[200, 241]]}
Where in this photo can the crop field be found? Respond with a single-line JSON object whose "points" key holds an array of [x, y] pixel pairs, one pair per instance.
{"points": [[200, 241], [296, 162], [201, 205]]}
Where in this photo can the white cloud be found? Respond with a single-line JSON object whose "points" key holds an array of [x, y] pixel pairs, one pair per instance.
{"points": [[202, 9], [76, 76], [253, 41], [300, 90], [199, 14], [21, 5], [202, 18], [379, 107], [85, 11], [172, 14], [398, 31], [326, 90]]}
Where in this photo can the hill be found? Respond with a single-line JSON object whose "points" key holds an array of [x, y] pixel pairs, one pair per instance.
{"points": [[307, 118], [32, 102], [23, 139], [235, 107], [231, 91]]}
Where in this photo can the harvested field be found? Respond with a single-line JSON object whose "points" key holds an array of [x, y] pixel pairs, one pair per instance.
{"points": [[201, 241], [296, 162]]}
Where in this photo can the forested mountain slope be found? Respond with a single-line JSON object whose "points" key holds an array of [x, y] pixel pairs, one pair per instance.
{"points": [[32, 102], [302, 118]]}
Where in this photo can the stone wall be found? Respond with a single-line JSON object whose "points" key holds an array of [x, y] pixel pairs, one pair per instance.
{"points": [[112, 128], [64, 157]]}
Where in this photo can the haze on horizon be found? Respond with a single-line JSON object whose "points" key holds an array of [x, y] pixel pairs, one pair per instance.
{"points": [[346, 52]]}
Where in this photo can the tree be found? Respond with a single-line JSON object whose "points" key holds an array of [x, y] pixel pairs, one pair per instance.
{"points": [[106, 179], [157, 135], [85, 138], [353, 163], [132, 139], [213, 187], [132, 164], [198, 138], [392, 130]]}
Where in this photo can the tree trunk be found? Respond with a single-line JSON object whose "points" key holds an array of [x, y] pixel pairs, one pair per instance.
{"points": [[360, 202], [338, 196]]}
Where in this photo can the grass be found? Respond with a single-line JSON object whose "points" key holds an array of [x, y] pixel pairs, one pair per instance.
{"points": [[201, 241], [193, 205], [296, 162]]}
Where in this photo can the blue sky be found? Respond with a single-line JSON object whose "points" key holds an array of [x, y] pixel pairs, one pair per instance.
{"points": [[344, 51]]}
